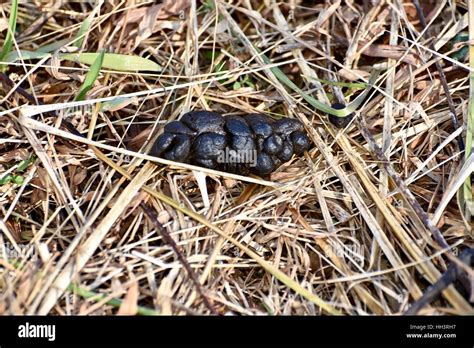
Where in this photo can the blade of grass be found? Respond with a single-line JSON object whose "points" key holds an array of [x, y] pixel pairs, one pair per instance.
{"points": [[466, 197], [91, 77], [85, 26], [8, 44], [54, 46], [350, 108], [119, 62], [12, 57]]}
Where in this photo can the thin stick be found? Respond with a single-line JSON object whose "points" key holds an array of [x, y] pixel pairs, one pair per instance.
{"points": [[170, 241], [402, 187], [442, 77], [454, 272]]}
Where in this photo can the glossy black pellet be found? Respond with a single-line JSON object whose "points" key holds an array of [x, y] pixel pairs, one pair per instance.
{"points": [[180, 151], [204, 121], [287, 152], [264, 165], [242, 144], [273, 144], [300, 142], [162, 144], [237, 126], [287, 126], [260, 125], [178, 128], [209, 145]]}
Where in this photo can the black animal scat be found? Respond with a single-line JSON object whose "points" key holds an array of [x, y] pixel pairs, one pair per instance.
{"points": [[287, 126], [243, 144], [206, 163], [209, 145], [273, 144], [259, 141], [264, 164], [254, 143], [240, 168], [340, 122], [258, 118], [261, 125], [300, 142], [287, 151], [204, 121], [178, 128], [180, 150], [162, 144], [236, 125]]}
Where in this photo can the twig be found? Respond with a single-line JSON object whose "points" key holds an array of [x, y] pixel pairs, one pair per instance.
{"points": [[154, 220], [402, 187], [454, 272], [442, 77]]}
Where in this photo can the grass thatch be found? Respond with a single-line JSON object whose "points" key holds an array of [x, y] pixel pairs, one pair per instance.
{"points": [[363, 223]]}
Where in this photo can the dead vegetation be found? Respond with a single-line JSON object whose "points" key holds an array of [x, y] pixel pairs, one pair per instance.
{"points": [[86, 221]]}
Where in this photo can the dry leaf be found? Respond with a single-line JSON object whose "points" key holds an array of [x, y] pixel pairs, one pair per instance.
{"points": [[54, 65], [79, 176], [15, 155], [129, 305]]}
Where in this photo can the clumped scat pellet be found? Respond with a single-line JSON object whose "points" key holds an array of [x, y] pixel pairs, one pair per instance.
{"points": [[253, 143]]}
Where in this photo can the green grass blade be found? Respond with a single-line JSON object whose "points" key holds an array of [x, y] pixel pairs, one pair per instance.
{"points": [[115, 61], [350, 108], [14, 55], [85, 26], [81, 34], [54, 46], [466, 198], [8, 44], [91, 77], [117, 103]]}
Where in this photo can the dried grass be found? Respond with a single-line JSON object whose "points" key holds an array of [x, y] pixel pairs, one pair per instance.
{"points": [[332, 232]]}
